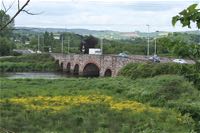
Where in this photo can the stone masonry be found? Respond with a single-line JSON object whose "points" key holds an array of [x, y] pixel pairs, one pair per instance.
{"points": [[103, 62]]}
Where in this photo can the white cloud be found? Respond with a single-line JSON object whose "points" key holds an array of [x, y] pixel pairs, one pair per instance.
{"points": [[124, 15]]}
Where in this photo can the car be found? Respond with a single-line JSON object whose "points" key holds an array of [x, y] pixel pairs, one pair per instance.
{"points": [[31, 51], [124, 55], [154, 58], [39, 52], [180, 61]]}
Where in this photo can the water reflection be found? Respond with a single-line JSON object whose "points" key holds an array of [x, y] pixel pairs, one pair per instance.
{"points": [[34, 75]]}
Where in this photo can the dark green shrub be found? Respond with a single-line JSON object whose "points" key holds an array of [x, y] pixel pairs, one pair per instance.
{"points": [[145, 70], [26, 63]]}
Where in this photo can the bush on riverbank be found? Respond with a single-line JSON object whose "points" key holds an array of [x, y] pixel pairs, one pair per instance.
{"points": [[145, 70], [29, 58], [27, 63]]}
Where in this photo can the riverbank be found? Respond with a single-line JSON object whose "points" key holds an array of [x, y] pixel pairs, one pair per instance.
{"points": [[29, 63], [166, 103]]}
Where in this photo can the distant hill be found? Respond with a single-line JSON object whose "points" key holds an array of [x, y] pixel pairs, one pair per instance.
{"points": [[108, 34]]}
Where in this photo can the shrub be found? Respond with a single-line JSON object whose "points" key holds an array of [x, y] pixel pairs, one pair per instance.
{"points": [[26, 63], [145, 70]]}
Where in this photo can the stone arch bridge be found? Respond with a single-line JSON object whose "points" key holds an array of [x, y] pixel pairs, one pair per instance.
{"points": [[94, 65]]}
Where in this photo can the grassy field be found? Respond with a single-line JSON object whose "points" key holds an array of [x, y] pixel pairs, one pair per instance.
{"points": [[166, 103]]}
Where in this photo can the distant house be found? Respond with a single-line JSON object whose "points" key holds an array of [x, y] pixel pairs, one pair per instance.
{"points": [[56, 36], [129, 34], [20, 51], [163, 34], [27, 42]]}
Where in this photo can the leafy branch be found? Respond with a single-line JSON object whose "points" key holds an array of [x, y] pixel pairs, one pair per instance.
{"points": [[191, 14], [20, 9]]}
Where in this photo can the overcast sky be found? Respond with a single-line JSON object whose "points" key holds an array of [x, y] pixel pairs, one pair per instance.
{"points": [[120, 15]]}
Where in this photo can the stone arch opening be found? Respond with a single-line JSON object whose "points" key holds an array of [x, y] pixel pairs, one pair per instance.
{"points": [[91, 70], [57, 62], [76, 69], [61, 66], [68, 67], [108, 73], [58, 65]]}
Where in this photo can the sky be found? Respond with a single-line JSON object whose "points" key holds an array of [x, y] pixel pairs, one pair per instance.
{"points": [[118, 15]]}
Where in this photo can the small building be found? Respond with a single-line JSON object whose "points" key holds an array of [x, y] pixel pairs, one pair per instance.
{"points": [[21, 51], [95, 51], [56, 36]]}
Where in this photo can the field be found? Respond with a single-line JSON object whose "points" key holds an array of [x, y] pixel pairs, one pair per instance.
{"points": [[166, 103]]}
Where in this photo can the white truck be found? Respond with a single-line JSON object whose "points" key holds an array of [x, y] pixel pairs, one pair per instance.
{"points": [[95, 51]]}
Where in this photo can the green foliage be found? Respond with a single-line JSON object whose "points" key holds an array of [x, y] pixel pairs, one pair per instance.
{"points": [[89, 118], [4, 18], [139, 70], [132, 47], [188, 15], [6, 46], [134, 71], [185, 17], [48, 41], [33, 43], [99, 117], [27, 63], [87, 43]]}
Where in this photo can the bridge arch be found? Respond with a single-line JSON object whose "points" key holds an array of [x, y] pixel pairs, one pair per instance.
{"points": [[57, 62], [76, 69], [108, 73], [61, 66], [68, 69], [91, 70]]}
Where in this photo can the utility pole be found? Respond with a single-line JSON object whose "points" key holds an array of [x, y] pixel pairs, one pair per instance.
{"points": [[68, 46], [62, 43], [101, 45], [148, 40], [198, 28], [38, 43], [155, 47]]}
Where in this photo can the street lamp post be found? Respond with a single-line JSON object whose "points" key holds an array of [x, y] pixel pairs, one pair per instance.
{"points": [[101, 45], [38, 43], [68, 46], [148, 40], [155, 47], [62, 43]]}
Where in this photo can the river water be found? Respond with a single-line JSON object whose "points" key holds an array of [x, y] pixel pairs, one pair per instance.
{"points": [[34, 75]]}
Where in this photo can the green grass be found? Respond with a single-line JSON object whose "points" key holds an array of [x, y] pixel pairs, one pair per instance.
{"points": [[27, 63], [172, 94]]}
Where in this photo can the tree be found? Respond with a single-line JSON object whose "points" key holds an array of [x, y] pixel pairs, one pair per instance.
{"points": [[34, 43], [20, 9], [6, 46], [191, 14], [4, 18], [48, 41], [87, 43]]}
